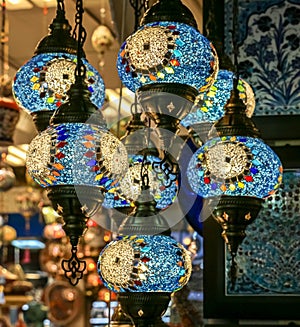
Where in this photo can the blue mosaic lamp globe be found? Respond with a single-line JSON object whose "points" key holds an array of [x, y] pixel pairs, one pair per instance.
{"points": [[76, 154], [159, 62], [163, 188], [144, 263], [236, 168], [167, 52], [42, 83], [77, 160], [40, 86], [212, 102]]}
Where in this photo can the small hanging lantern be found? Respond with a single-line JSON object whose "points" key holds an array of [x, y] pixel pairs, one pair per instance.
{"points": [[41, 85]]}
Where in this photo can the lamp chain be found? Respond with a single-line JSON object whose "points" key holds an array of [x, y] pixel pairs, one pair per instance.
{"points": [[80, 70], [139, 6], [74, 267], [235, 24], [145, 163]]}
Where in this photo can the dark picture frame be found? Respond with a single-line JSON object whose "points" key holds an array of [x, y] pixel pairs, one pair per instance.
{"points": [[219, 305]]}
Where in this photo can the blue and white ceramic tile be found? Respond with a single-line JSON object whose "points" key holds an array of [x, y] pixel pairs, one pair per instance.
{"points": [[269, 57], [269, 257]]}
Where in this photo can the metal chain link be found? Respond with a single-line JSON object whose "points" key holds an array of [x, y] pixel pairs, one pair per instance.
{"points": [[235, 26], [80, 68]]}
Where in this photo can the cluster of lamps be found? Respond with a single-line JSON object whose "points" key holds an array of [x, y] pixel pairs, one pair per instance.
{"points": [[174, 71]]}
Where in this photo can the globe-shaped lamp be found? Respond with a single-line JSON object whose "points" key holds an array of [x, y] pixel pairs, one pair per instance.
{"points": [[149, 263], [211, 103], [237, 167], [76, 159], [40, 86], [159, 61], [75, 154], [144, 265], [163, 188], [150, 266], [167, 52]]}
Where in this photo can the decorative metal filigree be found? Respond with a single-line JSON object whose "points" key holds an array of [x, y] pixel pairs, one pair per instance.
{"points": [[167, 171], [73, 267]]}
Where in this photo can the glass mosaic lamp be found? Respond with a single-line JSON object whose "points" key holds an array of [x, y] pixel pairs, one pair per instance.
{"points": [[163, 182], [237, 167], [77, 160], [211, 103], [159, 61], [144, 265], [40, 86]]}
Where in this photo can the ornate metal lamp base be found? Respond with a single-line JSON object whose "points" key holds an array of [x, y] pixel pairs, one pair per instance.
{"points": [[234, 214], [166, 104], [75, 204], [145, 309]]}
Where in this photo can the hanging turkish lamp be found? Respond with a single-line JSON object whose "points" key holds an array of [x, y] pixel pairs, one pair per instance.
{"points": [[41, 85], [76, 159], [211, 104], [144, 265], [159, 62], [234, 167], [162, 181], [238, 168]]}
